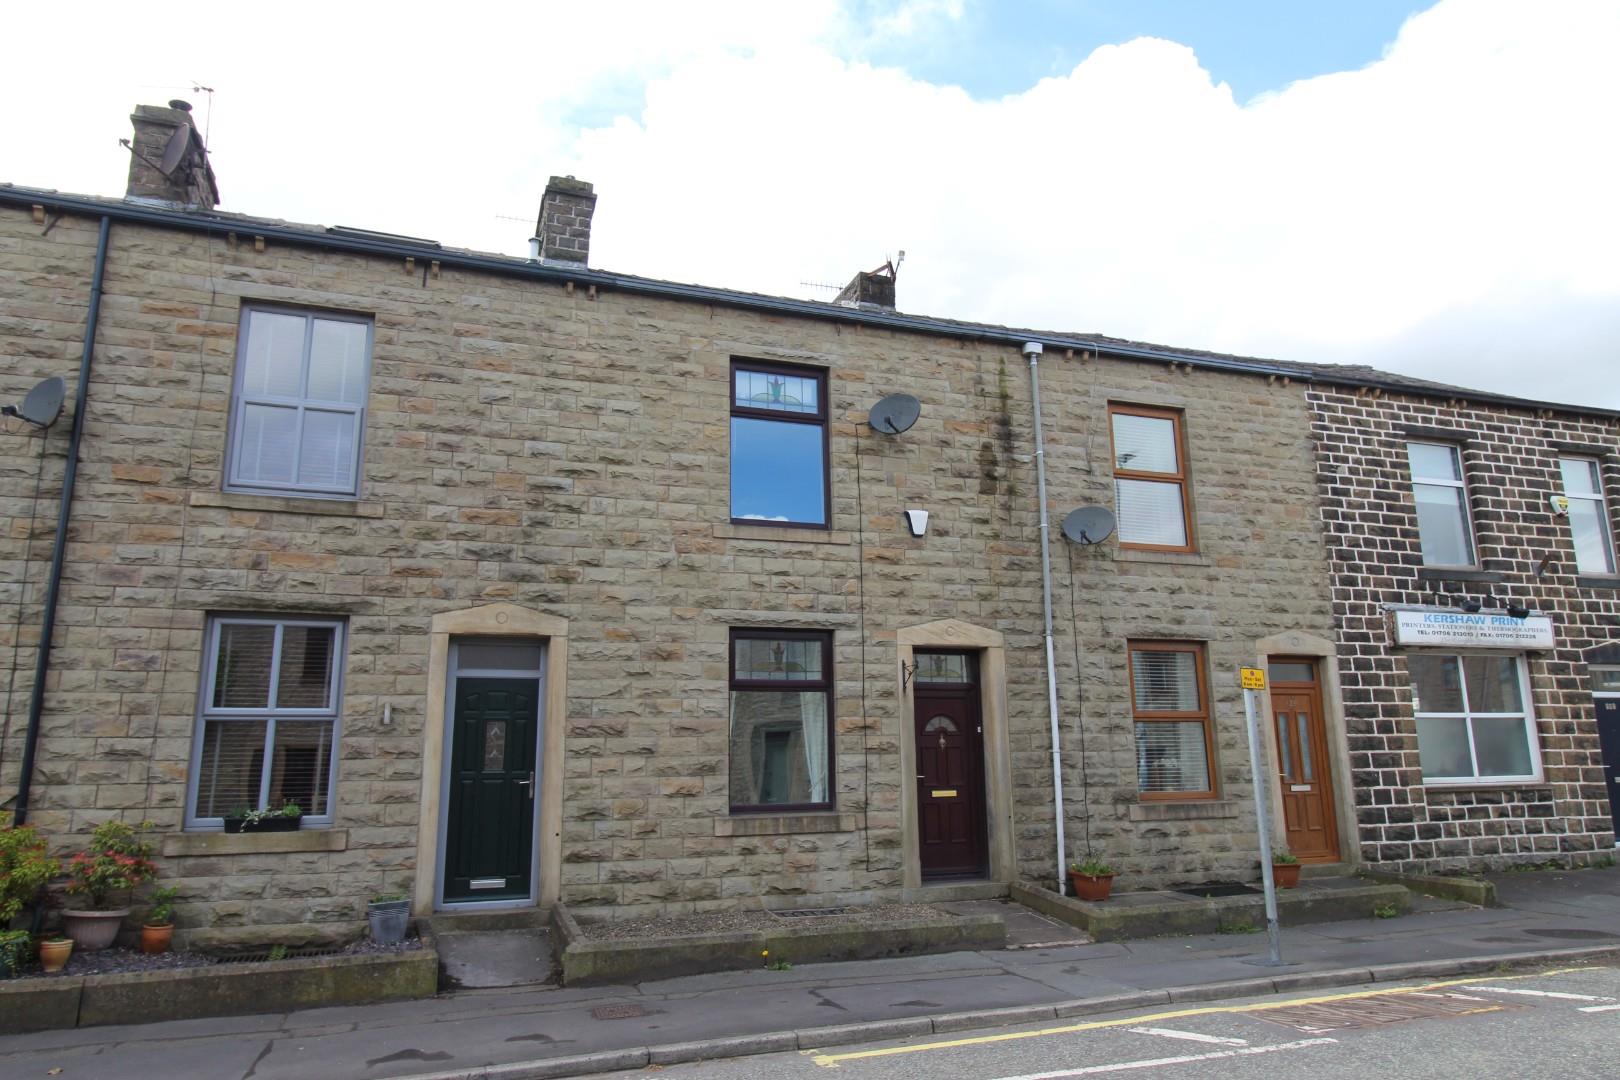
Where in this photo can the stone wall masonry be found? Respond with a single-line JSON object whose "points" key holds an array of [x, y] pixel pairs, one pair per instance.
{"points": [[569, 454], [1510, 457]]}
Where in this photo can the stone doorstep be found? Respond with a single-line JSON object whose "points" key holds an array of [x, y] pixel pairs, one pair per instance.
{"points": [[1469, 890], [144, 997], [583, 962], [1162, 914]]}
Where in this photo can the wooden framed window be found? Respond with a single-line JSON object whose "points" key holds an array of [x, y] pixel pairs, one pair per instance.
{"points": [[1444, 532], [781, 730], [1588, 514], [779, 454], [1170, 706], [1150, 478]]}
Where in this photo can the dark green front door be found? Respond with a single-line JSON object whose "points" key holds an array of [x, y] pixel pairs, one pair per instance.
{"points": [[489, 836]]}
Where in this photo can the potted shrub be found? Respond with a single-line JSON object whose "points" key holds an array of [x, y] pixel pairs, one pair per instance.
{"points": [[1091, 878], [118, 859], [54, 952], [25, 868], [158, 929], [1284, 869], [388, 914], [288, 817]]}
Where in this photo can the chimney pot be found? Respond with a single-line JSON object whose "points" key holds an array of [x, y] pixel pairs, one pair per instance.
{"points": [[176, 103]]}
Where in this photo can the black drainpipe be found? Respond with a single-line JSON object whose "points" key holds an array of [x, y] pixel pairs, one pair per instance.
{"points": [[42, 665]]}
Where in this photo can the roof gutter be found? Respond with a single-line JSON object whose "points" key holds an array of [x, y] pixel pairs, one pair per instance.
{"points": [[217, 225], [53, 588]]}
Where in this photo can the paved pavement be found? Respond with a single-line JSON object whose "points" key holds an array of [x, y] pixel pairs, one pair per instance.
{"points": [[462, 1033]]}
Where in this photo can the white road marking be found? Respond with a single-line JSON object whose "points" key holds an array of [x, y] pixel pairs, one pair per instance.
{"points": [[1190, 1036], [1538, 993], [1124, 1066], [1599, 1008]]}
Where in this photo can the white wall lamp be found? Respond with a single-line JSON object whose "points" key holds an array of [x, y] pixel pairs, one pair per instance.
{"points": [[917, 522]]}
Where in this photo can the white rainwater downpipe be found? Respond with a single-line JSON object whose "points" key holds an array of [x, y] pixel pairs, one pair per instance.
{"points": [[1033, 350]]}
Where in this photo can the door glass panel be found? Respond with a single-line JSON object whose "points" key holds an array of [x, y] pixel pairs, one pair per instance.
{"points": [[1306, 772], [495, 656], [1285, 749], [940, 723], [1443, 746], [495, 746], [941, 667], [1292, 671]]}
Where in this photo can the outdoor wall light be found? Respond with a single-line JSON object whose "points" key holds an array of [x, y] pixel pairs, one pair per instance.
{"points": [[917, 522]]}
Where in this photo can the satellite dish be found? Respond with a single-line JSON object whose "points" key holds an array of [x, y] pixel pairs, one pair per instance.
{"points": [[1089, 525], [179, 143], [894, 414], [42, 405]]}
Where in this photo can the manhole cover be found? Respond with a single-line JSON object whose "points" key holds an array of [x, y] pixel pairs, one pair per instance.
{"points": [[1378, 1010], [1572, 934], [811, 913], [1219, 888], [619, 1012]]}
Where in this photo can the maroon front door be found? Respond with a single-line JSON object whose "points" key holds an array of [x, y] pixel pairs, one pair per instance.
{"points": [[950, 766]]}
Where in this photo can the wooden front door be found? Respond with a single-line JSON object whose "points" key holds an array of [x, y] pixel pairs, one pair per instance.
{"points": [[951, 817], [1302, 761], [489, 833]]}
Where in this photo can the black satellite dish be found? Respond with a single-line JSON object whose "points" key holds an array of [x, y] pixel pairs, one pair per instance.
{"points": [[42, 405], [894, 414], [1089, 525], [179, 143]]}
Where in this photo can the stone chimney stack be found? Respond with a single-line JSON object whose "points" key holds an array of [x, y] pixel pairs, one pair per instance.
{"points": [[873, 289], [564, 229], [168, 163]]}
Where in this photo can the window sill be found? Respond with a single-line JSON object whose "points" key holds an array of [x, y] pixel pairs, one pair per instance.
{"points": [[1175, 558], [1183, 811], [286, 504], [785, 824], [1481, 785], [779, 535], [1597, 581], [1459, 573], [269, 843]]}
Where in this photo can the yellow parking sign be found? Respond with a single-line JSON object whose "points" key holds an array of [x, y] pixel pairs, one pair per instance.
{"points": [[1252, 678]]}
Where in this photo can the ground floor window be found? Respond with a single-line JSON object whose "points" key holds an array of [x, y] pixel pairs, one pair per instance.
{"points": [[1474, 720], [1170, 705], [268, 722], [781, 731]]}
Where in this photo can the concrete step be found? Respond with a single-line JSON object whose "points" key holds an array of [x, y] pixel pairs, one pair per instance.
{"points": [[473, 922], [948, 891]]}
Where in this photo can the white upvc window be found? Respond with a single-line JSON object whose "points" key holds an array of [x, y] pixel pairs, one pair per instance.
{"points": [[298, 406], [1474, 720], [1441, 498], [1588, 515], [268, 723]]}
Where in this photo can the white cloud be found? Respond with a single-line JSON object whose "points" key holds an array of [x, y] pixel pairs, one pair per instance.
{"points": [[1446, 211]]}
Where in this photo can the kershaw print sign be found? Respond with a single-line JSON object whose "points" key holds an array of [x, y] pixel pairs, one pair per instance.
{"points": [[1481, 630]]}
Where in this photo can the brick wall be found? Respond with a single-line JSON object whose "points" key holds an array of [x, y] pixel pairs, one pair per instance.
{"points": [[1510, 458]]}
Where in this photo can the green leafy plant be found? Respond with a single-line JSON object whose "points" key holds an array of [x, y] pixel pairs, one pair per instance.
{"points": [[119, 857], [24, 869], [1092, 866], [780, 965], [288, 809], [13, 950], [1385, 911], [1240, 928], [389, 898], [277, 952], [162, 911], [1284, 858]]}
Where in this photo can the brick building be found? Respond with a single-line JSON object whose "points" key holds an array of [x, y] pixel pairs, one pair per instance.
{"points": [[529, 581]]}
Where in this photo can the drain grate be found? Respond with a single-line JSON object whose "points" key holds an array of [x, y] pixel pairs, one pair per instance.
{"points": [[811, 913], [623, 1011], [257, 957], [1219, 888], [1379, 1010]]}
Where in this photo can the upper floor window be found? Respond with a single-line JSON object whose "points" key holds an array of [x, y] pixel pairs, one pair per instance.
{"points": [[1150, 478], [1473, 718], [1170, 706], [299, 403], [781, 706], [268, 720], [1588, 515], [1442, 504], [778, 445]]}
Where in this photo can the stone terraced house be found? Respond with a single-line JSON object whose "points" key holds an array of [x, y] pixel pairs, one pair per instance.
{"points": [[529, 582]]}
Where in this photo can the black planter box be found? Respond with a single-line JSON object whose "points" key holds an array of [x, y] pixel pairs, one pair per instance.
{"points": [[270, 824]]}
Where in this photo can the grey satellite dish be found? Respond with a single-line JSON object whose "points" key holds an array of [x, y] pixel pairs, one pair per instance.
{"points": [[176, 149], [1089, 525], [894, 414], [42, 405]]}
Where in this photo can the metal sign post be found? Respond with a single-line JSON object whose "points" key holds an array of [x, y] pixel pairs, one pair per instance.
{"points": [[1254, 681]]}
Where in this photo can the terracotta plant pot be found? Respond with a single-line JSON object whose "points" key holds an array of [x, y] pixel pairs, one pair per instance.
{"points": [[1285, 874], [1091, 886], [156, 939], [53, 955], [93, 930]]}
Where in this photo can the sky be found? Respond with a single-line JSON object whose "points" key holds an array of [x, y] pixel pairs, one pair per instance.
{"points": [[1429, 188]]}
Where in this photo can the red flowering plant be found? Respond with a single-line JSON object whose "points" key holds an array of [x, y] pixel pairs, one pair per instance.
{"points": [[118, 858]]}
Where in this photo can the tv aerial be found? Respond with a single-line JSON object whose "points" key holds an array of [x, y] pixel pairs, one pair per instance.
{"points": [[42, 405], [1089, 525], [894, 414]]}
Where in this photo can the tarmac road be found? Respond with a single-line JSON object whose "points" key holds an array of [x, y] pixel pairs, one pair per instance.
{"points": [[1562, 1024]]}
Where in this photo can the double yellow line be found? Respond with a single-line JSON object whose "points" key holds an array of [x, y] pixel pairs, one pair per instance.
{"points": [[832, 1061]]}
